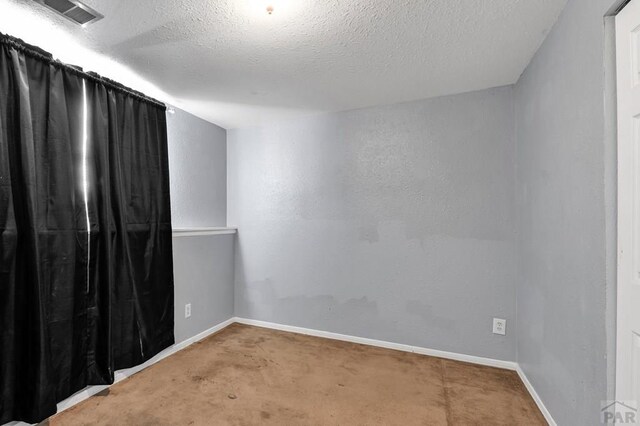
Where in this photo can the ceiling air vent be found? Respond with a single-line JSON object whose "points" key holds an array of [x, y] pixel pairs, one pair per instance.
{"points": [[73, 10]]}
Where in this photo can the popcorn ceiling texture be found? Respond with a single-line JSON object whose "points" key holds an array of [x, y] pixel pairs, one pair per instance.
{"points": [[231, 63]]}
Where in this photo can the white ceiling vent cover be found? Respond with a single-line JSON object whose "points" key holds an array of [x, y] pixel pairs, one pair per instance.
{"points": [[73, 10]]}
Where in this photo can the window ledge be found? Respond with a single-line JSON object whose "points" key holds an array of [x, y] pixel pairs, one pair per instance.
{"points": [[194, 232]]}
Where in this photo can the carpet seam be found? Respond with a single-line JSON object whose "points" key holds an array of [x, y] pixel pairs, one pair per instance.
{"points": [[447, 405]]}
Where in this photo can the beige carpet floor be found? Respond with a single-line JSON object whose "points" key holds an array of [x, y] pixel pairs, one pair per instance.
{"points": [[247, 375]]}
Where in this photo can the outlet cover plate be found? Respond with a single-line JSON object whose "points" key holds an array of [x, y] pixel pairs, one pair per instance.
{"points": [[500, 326]]}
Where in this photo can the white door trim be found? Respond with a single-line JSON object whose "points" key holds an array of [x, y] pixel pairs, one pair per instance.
{"points": [[628, 252]]}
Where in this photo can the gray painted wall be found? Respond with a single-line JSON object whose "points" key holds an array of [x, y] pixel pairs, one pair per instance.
{"points": [[565, 211], [203, 265], [394, 223], [203, 269], [198, 171]]}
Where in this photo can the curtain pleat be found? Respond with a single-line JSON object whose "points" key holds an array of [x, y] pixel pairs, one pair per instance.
{"points": [[131, 230], [42, 253], [77, 306]]}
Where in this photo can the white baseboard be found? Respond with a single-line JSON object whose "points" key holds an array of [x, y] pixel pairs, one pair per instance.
{"points": [[123, 374], [508, 365], [536, 397]]}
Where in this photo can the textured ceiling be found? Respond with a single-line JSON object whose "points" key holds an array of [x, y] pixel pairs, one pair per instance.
{"points": [[231, 63]]}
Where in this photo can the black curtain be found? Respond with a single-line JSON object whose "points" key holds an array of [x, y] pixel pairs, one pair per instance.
{"points": [[74, 305]]}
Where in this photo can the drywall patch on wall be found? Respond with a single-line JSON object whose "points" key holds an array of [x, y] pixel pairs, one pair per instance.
{"points": [[368, 233], [198, 171], [426, 312], [393, 223]]}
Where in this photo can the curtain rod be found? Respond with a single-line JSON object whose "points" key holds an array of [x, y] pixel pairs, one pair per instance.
{"points": [[47, 57]]}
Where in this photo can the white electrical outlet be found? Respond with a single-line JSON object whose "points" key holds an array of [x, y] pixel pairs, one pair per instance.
{"points": [[499, 326], [187, 310]]}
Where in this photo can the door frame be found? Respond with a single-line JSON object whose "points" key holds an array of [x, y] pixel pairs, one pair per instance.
{"points": [[614, 230]]}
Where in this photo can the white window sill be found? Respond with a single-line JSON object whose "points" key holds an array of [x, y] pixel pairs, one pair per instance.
{"points": [[194, 232]]}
